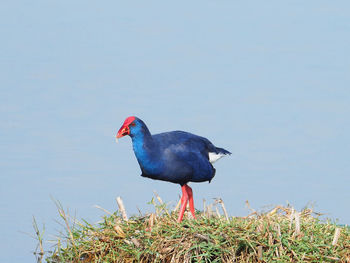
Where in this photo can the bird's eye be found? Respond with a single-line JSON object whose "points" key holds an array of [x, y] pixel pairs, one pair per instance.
{"points": [[133, 124]]}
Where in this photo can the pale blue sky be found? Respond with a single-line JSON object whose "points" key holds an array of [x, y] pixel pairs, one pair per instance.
{"points": [[267, 80]]}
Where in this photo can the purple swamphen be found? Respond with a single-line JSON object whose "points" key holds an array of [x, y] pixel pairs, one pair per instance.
{"points": [[178, 157]]}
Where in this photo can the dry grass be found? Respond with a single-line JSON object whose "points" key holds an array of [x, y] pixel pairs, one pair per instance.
{"points": [[280, 235]]}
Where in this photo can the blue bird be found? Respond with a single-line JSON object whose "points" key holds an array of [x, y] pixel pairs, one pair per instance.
{"points": [[178, 157]]}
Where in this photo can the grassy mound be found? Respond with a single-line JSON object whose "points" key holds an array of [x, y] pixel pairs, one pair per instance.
{"points": [[280, 235]]}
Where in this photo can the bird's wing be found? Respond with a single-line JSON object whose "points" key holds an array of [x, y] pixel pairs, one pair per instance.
{"points": [[184, 141], [191, 158]]}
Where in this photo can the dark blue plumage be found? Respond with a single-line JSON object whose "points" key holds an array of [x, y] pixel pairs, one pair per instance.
{"points": [[178, 156]]}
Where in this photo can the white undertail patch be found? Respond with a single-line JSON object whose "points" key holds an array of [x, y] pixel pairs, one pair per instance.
{"points": [[213, 157]]}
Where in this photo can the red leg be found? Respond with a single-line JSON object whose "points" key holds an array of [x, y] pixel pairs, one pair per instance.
{"points": [[184, 200], [190, 196], [182, 197]]}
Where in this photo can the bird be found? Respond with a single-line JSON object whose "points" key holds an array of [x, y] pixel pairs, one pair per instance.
{"points": [[178, 157]]}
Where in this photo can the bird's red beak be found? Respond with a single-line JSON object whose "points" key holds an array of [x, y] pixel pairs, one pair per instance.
{"points": [[124, 130]]}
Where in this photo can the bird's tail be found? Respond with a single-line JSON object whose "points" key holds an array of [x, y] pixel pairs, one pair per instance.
{"points": [[219, 153]]}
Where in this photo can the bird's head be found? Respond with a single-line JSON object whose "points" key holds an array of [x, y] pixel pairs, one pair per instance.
{"points": [[126, 127], [133, 126]]}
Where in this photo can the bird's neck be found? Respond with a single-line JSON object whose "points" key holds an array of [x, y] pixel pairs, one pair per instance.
{"points": [[141, 141], [146, 150], [141, 136]]}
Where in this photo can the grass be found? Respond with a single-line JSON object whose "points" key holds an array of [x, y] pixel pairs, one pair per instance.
{"points": [[279, 235]]}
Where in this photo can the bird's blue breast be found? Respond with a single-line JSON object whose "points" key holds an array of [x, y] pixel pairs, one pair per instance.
{"points": [[146, 156]]}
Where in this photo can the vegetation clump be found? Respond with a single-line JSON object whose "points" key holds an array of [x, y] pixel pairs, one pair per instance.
{"points": [[279, 235]]}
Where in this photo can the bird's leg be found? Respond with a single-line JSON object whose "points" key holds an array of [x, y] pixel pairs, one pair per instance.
{"points": [[190, 196], [184, 200]]}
